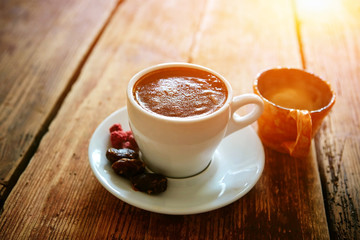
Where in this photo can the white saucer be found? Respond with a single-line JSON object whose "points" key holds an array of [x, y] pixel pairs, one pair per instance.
{"points": [[236, 167]]}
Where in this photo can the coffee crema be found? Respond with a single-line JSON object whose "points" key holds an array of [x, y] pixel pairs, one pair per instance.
{"points": [[180, 92]]}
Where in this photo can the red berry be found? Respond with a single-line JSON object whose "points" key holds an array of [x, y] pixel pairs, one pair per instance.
{"points": [[115, 127], [122, 139], [117, 138]]}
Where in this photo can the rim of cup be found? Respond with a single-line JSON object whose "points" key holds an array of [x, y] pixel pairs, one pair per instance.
{"points": [[192, 119], [333, 95]]}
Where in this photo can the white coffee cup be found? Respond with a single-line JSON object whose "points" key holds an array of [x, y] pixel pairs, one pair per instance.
{"points": [[182, 147]]}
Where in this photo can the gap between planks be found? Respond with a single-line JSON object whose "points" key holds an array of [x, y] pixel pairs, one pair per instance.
{"points": [[6, 187], [298, 34]]}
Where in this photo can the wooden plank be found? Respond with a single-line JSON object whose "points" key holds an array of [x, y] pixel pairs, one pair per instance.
{"points": [[287, 201], [58, 196], [330, 33], [42, 45]]}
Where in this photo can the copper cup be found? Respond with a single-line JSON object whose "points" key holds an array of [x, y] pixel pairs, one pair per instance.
{"points": [[295, 104]]}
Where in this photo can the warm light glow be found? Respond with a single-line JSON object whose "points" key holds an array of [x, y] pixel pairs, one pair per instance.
{"points": [[318, 10], [317, 6]]}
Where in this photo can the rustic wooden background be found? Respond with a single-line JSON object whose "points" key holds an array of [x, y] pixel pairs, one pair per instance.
{"points": [[64, 67]]}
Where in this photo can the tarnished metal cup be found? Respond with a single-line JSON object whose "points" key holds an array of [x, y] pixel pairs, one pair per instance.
{"points": [[295, 104]]}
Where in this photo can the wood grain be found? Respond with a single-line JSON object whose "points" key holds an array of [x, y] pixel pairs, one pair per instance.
{"points": [[333, 32], [42, 46], [58, 196], [287, 201]]}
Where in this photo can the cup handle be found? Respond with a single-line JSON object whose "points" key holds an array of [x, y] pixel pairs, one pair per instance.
{"points": [[300, 147], [237, 122]]}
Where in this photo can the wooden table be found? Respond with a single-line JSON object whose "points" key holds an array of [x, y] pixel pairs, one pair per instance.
{"points": [[64, 67]]}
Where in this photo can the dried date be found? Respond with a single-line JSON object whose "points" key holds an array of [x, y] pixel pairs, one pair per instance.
{"points": [[128, 167], [152, 183], [113, 154]]}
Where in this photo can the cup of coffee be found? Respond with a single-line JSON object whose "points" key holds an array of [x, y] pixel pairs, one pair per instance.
{"points": [[295, 103], [180, 112]]}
